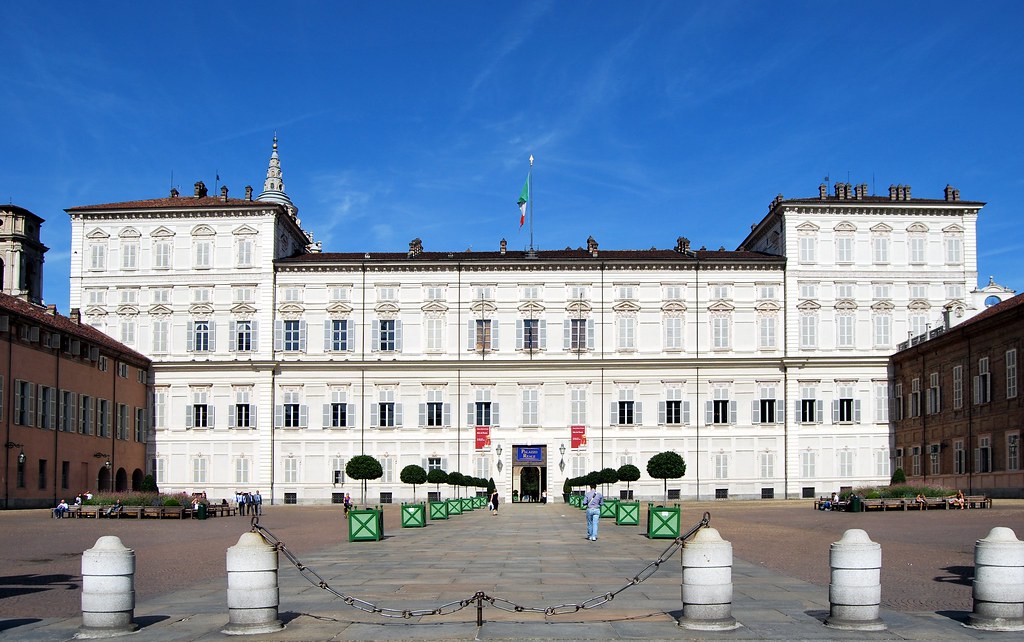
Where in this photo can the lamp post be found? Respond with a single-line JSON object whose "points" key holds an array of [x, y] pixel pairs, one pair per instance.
{"points": [[497, 451], [561, 463]]}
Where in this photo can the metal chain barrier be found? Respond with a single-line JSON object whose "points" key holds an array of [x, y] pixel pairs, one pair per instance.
{"points": [[479, 598]]}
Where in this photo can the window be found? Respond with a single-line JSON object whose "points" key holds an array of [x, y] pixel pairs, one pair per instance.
{"points": [[767, 408], [42, 474], [845, 291], [898, 458], [846, 463], [959, 460], [435, 413], [673, 332], [96, 297], [915, 461], [123, 418], [85, 416], [845, 324], [808, 331], [338, 335], [243, 413], [1011, 374], [807, 462], [954, 249], [161, 255], [918, 325], [140, 425], [161, 330], [291, 470], [982, 383], [98, 256], [954, 290], [720, 410], [626, 292], [626, 411], [983, 455], [387, 335], [68, 411], [242, 336], [47, 410], [200, 413], [808, 290], [483, 411], [810, 409], [882, 463], [579, 335], [720, 339], [434, 463], [933, 459], [578, 292], [958, 387], [626, 332], [435, 333], [244, 251], [386, 413], [127, 333], [201, 337], [241, 470], [721, 466], [24, 403], [1013, 451], [673, 292], [531, 292], [292, 413], [294, 335], [202, 254], [881, 291], [434, 293], [530, 334], [338, 293], [897, 403], [933, 396], [103, 418], [291, 295], [243, 294], [480, 331], [881, 402], [915, 397], [844, 249], [882, 330], [880, 249], [766, 331], [160, 296], [767, 464], [387, 293], [130, 255], [674, 411], [719, 291], [808, 246], [917, 248], [339, 413], [918, 290], [129, 296], [531, 406], [578, 406]]}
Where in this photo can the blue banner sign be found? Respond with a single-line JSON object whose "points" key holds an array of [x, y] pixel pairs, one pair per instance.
{"points": [[531, 454]]}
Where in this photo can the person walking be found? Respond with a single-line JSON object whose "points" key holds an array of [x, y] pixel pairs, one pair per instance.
{"points": [[257, 503], [593, 501], [494, 502]]}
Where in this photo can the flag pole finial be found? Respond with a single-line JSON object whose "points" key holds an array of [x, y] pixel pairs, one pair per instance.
{"points": [[531, 160]]}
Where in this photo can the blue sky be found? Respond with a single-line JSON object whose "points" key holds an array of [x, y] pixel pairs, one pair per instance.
{"points": [[648, 120]]}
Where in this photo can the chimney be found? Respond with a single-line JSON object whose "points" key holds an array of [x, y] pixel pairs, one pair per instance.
{"points": [[683, 245], [415, 248], [75, 316], [591, 246], [892, 192], [823, 191], [51, 309], [200, 189], [248, 192], [906, 193], [174, 193], [504, 245], [224, 193]]}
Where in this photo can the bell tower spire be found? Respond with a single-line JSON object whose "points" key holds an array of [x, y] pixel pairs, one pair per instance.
{"points": [[273, 186]]}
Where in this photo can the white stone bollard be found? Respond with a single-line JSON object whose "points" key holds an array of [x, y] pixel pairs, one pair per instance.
{"points": [[108, 589], [998, 582], [707, 583], [856, 584], [253, 595]]}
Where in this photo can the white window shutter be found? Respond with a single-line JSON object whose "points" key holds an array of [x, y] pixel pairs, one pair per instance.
{"points": [[835, 411], [638, 413], [819, 410], [423, 414], [190, 336], [732, 412], [471, 334], [231, 415], [213, 336], [327, 335], [686, 413], [374, 414], [255, 324], [543, 326], [232, 335], [350, 415], [326, 421], [590, 334], [613, 413], [278, 416], [210, 419], [780, 411], [398, 415], [446, 414], [567, 332], [519, 334], [374, 336], [662, 413], [797, 414], [278, 334], [252, 415], [709, 413], [188, 416], [856, 411], [494, 335], [398, 336], [495, 421], [302, 336], [755, 411], [470, 415]]}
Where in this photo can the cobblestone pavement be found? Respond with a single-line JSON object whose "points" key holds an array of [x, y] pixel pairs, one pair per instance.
{"points": [[927, 558]]}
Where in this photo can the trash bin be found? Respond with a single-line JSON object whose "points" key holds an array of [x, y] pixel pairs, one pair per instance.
{"points": [[201, 512], [855, 505]]}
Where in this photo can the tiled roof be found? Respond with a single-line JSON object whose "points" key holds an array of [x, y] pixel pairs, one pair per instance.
{"points": [[880, 200], [999, 308], [176, 202], [567, 254], [59, 323]]}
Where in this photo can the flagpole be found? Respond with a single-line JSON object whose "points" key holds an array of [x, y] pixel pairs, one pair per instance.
{"points": [[530, 180]]}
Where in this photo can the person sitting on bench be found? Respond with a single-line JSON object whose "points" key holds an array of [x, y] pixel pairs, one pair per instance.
{"points": [[116, 508]]}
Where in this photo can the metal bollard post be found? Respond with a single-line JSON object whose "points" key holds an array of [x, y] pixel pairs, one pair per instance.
{"points": [[707, 583], [856, 585], [253, 595], [108, 589], [998, 582]]}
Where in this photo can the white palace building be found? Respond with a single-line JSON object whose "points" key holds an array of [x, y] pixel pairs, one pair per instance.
{"points": [[765, 367]]}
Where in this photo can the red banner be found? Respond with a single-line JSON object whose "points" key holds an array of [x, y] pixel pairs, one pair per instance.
{"points": [[579, 436], [483, 437]]}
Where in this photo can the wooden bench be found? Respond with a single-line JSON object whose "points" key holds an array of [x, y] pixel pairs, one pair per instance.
{"points": [[978, 501]]}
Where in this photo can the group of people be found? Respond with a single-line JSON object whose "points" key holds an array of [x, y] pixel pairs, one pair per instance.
{"points": [[249, 503], [958, 500], [63, 508]]}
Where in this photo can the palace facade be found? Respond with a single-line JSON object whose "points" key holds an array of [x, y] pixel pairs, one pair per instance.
{"points": [[765, 367]]}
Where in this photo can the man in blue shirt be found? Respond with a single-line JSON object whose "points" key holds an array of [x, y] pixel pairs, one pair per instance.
{"points": [[593, 500]]}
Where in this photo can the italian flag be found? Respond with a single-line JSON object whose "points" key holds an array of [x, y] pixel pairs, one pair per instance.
{"points": [[524, 198]]}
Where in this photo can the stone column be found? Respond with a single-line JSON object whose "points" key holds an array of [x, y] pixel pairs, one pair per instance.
{"points": [[108, 589], [998, 582], [707, 583], [253, 595], [856, 586]]}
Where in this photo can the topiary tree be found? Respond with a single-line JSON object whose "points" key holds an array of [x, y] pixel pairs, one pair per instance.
{"points": [[628, 473], [665, 466], [608, 476], [363, 467], [456, 479], [149, 484], [566, 490], [436, 476], [491, 487], [898, 477], [592, 478], [413, 474]]}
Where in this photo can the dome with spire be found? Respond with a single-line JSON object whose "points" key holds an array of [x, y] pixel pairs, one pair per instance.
{"points": [[273, 187]]}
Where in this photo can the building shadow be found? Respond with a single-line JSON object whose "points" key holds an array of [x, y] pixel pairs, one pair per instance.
{"points": [[963, 575], [14, 585]]}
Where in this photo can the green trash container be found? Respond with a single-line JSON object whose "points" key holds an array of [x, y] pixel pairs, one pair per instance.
{"points": [[201, 512], [855, 505], [663, 522]]}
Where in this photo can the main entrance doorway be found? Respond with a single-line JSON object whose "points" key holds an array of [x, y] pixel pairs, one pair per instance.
{"points": [[529, 473]]}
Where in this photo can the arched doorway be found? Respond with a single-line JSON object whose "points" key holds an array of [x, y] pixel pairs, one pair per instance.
{"points": [[529, 473], [103, 480], [121, 480], [529, 483], [137, 478]]}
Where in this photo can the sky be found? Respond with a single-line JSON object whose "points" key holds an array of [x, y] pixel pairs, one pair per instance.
{"points": [[401, 119]]}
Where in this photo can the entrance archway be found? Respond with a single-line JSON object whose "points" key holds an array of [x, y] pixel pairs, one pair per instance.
{"points": [[529, 473]]}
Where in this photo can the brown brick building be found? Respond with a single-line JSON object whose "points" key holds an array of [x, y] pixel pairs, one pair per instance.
{"points": [[957, 407], [74, 403]]}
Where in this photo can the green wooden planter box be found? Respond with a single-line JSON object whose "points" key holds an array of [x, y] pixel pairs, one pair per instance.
{"points": [[609, 508], [439, 510], [365, 524], [663, 522], [414, 515], [454, 506], [576, 500], [481, 501], [468, 504], [627, 513]]}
